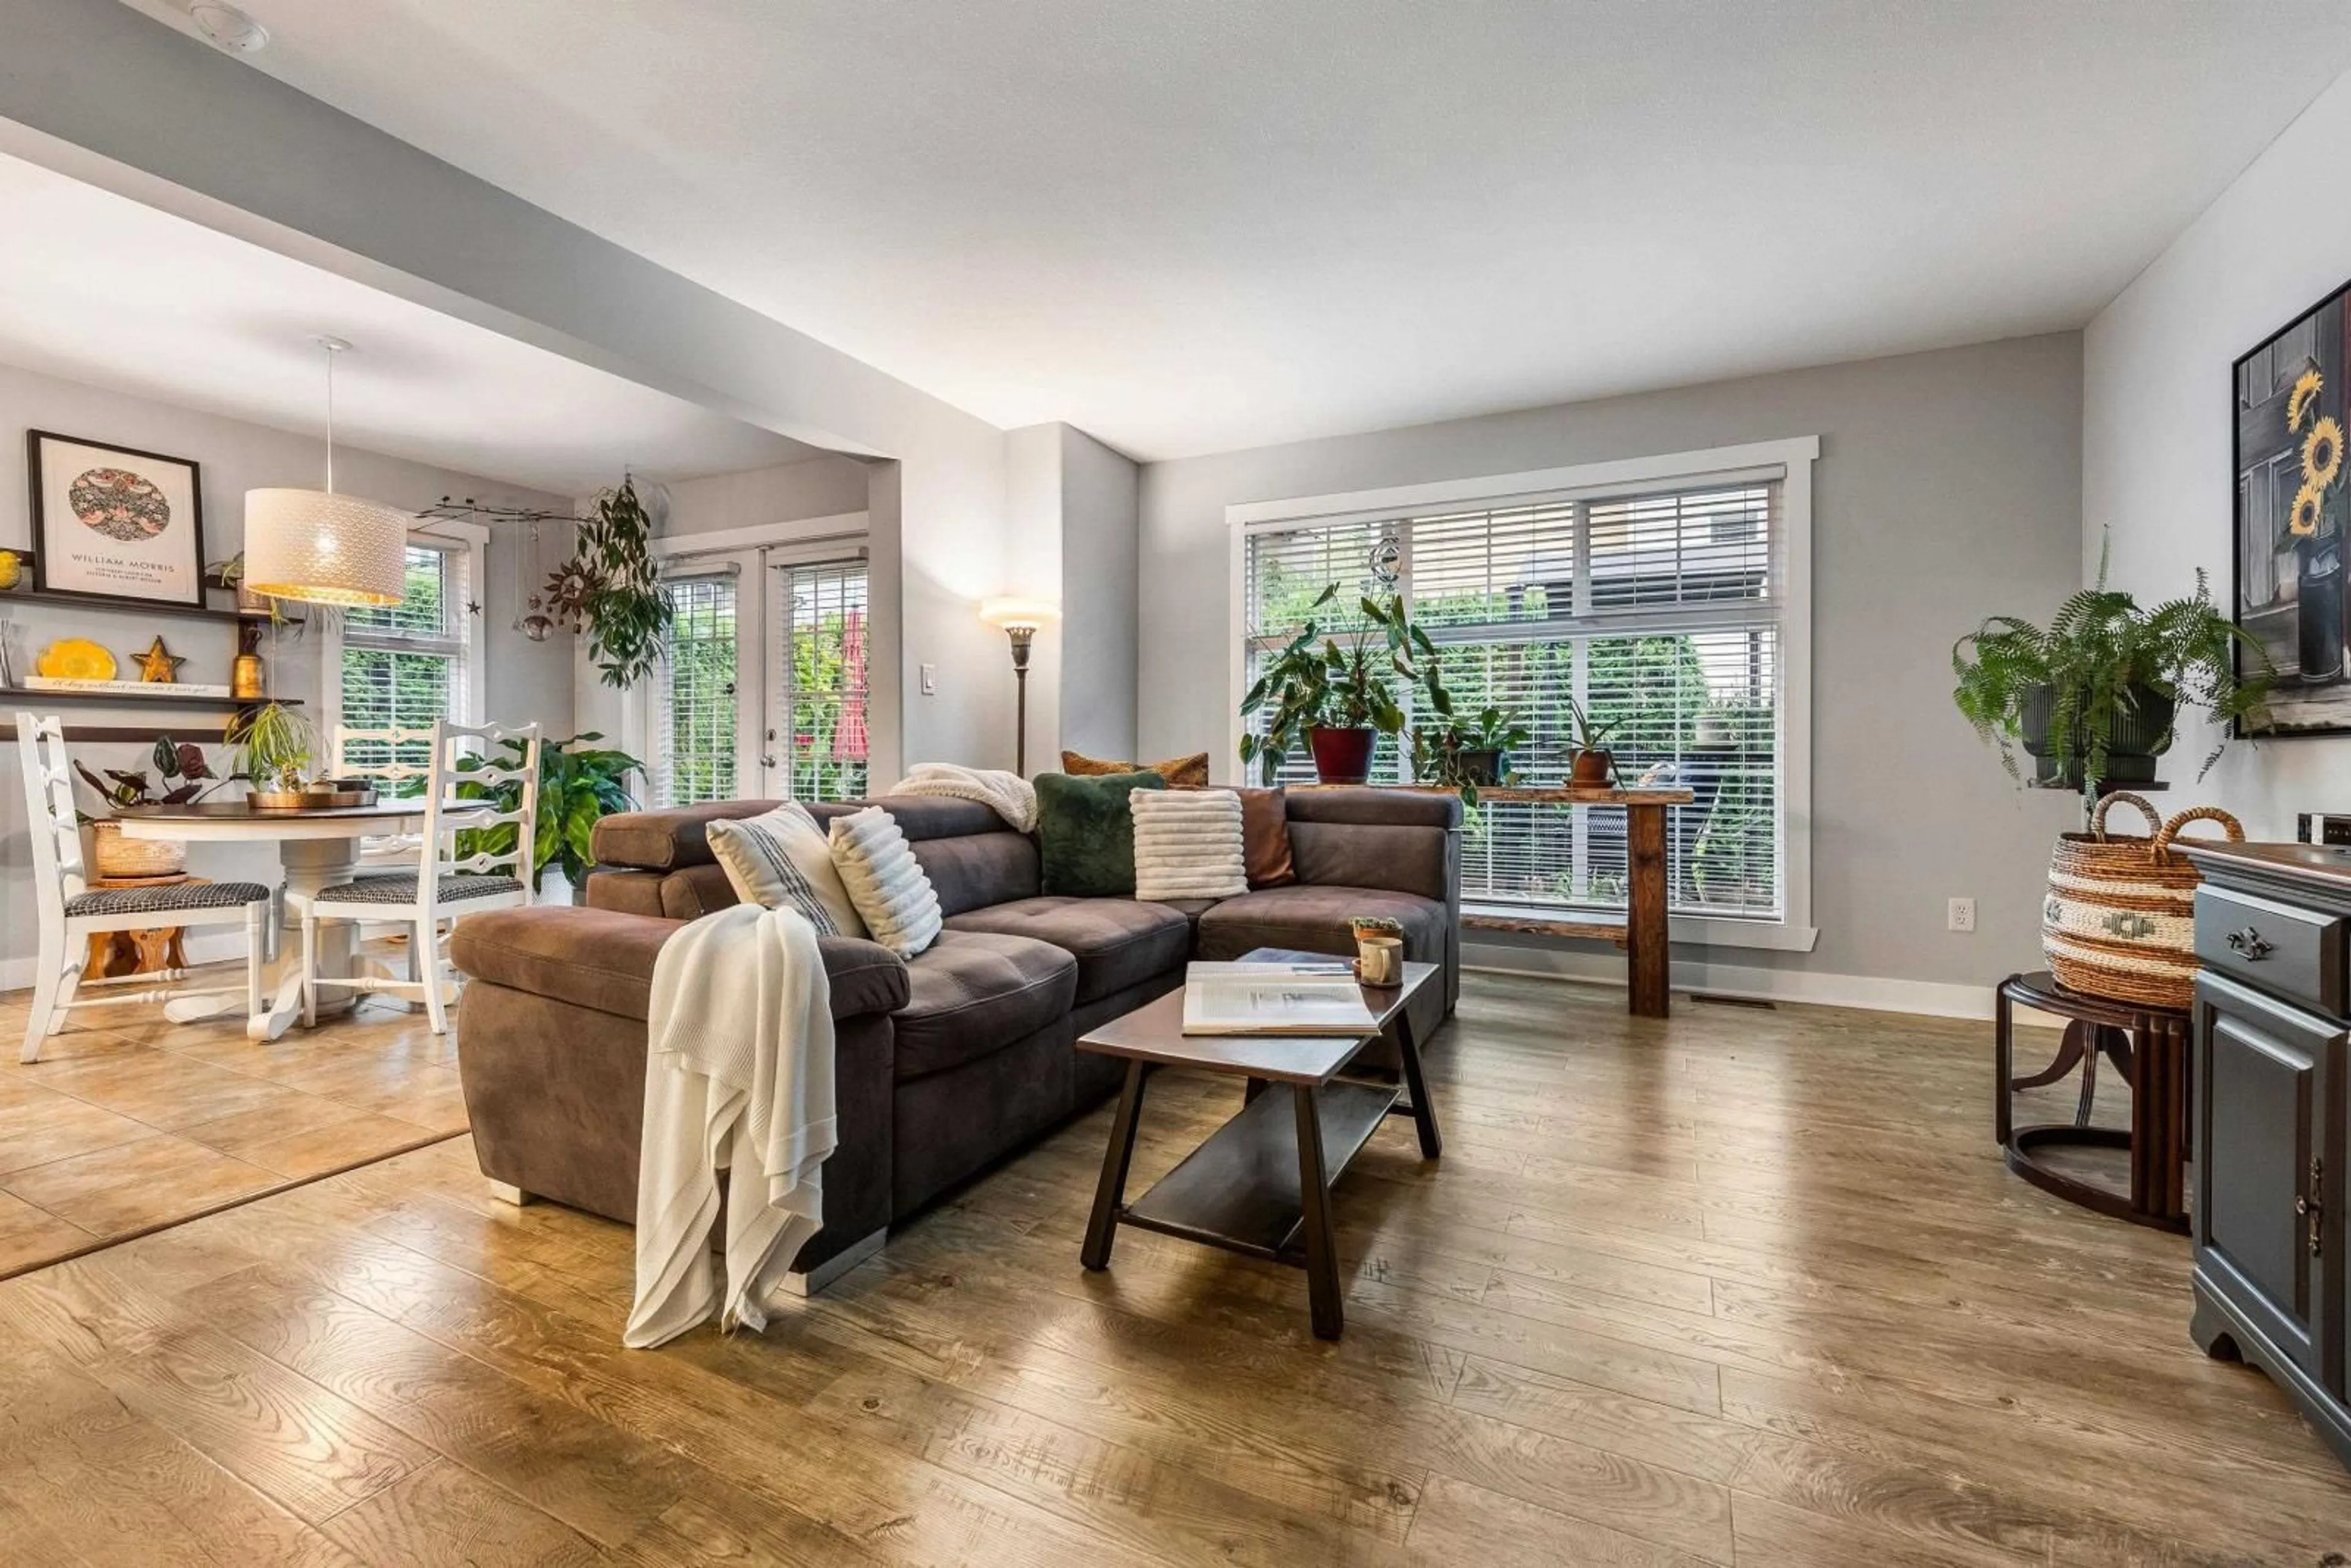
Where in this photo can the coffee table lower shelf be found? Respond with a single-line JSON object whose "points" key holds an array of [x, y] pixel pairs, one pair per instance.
{"points": [[1242, 1189]]}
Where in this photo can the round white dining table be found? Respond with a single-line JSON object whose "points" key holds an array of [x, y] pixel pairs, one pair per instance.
{"points": [[318, 849]]}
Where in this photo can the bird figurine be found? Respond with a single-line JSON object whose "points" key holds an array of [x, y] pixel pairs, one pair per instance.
{"points": [[159, 664]]}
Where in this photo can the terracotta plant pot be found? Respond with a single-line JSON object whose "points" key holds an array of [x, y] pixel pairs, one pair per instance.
{"points": [[1342, 756], [1593, 770], [114, 856]]}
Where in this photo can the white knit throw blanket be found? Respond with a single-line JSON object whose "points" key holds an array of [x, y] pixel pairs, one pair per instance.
{"points": [[1013, 798], [739, 1078]]}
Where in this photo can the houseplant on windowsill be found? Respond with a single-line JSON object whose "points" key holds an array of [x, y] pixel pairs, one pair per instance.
{"points": [[1339, 701], [1592, 766], [2093, 697]]}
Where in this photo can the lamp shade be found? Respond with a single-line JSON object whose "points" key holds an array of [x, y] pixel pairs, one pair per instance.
{"points": [[318, 547], [1010, 612]]}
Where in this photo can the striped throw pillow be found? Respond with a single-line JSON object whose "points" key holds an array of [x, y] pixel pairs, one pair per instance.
{"points": [[781, 860]]}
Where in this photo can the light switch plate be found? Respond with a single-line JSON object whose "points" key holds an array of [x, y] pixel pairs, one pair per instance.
{"points": [[930, 680]]}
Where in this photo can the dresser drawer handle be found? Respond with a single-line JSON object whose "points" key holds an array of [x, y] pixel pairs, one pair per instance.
{"points": [[2250, 946]]}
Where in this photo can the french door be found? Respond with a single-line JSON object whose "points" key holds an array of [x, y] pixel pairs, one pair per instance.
{"points": [[762, 693]]}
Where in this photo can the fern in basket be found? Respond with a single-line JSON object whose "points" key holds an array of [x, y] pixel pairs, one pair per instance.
{"points": [[2100, 659]]}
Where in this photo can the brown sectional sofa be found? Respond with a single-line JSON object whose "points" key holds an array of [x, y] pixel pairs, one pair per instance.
{"points": [[945, 1064]]}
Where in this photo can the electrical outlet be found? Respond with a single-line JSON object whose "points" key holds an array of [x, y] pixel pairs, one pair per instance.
{"points": [[930, 680], [1963, 914]]}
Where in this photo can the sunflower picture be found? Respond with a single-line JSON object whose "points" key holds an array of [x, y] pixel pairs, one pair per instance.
{"points": [[2301, 402], [2308, 507], [2322, 452]]}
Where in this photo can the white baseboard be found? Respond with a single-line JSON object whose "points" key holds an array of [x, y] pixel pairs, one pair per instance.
{"points": [[217, 945], [1929, 999]]}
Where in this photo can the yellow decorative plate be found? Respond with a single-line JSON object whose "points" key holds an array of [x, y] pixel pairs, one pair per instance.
{"points": [[75, 659]]}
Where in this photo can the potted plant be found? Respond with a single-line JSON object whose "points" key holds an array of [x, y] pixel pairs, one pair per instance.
{"points": [[575, 790], [1339, 701], [1468, 754], [275, 745], [1591, 765], [190, 778], [611, 590], [2094, 697]]}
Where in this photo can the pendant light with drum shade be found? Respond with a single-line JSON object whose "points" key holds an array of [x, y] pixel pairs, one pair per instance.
{"points": [[315, 547]]}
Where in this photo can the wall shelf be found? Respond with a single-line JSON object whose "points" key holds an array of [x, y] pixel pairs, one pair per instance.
{"points": [[133, 606], [162, 697]]}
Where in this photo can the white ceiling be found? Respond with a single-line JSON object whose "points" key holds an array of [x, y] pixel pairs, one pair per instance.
{"points": [[1193, 224], [102, 290]]}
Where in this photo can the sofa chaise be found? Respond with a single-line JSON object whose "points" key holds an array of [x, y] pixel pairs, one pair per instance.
{"points": [[945, 1064]]}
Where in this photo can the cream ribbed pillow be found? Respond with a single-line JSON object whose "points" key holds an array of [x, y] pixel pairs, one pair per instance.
{"points": [[885, 882], [1188, 844]]}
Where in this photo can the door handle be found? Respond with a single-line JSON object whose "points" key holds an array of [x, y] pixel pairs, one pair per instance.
{"points": [[2250, 945]]}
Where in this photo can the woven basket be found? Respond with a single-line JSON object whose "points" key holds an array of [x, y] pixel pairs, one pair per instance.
{"points": [[2120, 919], [116, 856]]}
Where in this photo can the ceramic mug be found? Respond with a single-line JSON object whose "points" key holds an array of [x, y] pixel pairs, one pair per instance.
{"points": [[1379, 960]]}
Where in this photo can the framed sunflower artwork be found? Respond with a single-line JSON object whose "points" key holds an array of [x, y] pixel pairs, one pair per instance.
{"points": [[2294, 508], [113, 522]]}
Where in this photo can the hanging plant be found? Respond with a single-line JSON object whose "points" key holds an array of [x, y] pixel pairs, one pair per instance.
{"points": [[610, 589]]}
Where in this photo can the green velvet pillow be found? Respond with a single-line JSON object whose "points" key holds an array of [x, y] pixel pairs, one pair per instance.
{"points": [[1085, 834]]}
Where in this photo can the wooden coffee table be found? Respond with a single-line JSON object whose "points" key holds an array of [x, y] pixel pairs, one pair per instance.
{"points": [[1261, 1184]]}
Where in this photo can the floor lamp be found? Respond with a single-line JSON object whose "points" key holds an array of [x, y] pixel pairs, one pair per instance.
{"points": [[1019, 618]]}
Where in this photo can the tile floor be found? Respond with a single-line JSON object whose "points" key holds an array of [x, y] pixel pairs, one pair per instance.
{"points": [[128, 1121]]}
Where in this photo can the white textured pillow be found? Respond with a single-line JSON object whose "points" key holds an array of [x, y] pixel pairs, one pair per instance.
{"points": [[1188, 844], [885, 882], [781, 859]]}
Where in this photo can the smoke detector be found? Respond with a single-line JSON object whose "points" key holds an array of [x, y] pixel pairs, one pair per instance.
{"points": [[229, 27]]}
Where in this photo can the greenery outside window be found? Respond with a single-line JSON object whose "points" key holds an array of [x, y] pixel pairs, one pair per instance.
{"points": [[1659, 604]]}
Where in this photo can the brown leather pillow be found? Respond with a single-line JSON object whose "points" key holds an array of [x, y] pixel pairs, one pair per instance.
{"points": [[1265, 835], [1180, 772]]}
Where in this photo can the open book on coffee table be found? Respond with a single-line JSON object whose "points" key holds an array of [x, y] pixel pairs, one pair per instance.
{"points": [[1303, 999]]}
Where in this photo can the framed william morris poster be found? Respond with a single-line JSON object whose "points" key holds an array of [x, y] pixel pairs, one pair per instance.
{"points": [[111, 522]]}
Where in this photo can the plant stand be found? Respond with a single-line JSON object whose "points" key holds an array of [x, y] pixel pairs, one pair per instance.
{"points": [[2148, 1046]]}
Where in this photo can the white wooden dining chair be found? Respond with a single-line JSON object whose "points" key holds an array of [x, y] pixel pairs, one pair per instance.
{"points": [[443, 885], [70, 911]]}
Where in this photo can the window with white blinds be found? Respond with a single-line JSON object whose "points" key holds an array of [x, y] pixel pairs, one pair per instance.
{"points": [[817, 678], [693, 700], [403, 666], [1659, 613]]}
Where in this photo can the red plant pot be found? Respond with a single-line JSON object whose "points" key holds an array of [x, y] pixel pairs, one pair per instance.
{"points": [[1592, 770], [1342, 756]]}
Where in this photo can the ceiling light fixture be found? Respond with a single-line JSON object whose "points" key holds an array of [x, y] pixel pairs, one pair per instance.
{"points": [[229, 27], [318, 547]]}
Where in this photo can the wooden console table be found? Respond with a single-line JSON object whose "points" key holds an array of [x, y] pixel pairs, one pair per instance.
{"points": [[1646, 936]]}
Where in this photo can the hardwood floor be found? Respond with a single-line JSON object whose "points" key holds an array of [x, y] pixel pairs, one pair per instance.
{"points": [[1744, 1287], [128, 1121]]}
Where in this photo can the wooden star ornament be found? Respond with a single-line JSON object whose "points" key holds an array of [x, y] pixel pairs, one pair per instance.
{"points": [[159, 664]]}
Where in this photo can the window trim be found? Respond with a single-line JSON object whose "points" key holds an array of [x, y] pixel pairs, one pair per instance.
{"points": [[1790, 462], [474, 540]]}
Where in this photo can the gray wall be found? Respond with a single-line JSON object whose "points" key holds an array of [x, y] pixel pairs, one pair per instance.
{"points": [[2157, 424], [787, 493], [525, 680], [1100, 542], [1947, 489]]}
